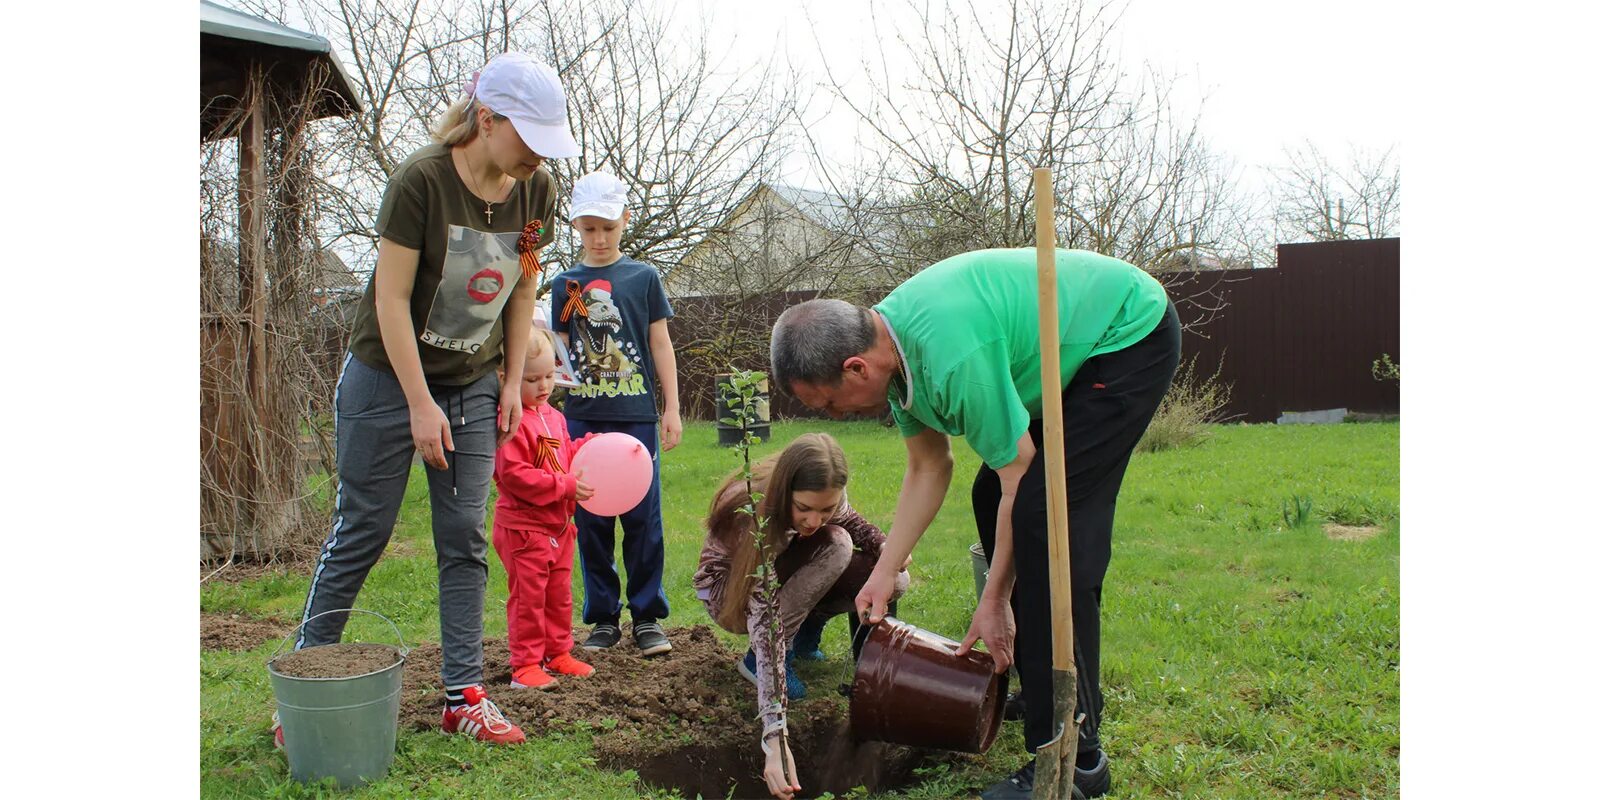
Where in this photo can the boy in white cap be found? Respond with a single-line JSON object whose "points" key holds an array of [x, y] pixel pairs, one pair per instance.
{"points": [[612, 311], [452, 298]]}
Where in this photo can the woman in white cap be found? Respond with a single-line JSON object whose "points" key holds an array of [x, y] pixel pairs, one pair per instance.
{"points": [[462, 222]]}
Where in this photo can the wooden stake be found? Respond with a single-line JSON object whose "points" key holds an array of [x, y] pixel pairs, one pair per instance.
{"points": [[1056, 758]]}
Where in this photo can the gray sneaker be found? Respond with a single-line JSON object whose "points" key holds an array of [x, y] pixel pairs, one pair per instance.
{"points": [[602, 636], [650, 638]]}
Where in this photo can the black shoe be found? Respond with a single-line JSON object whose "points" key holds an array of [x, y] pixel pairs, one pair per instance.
{"points": [[1093, 782], [1014, 706], [602, 636], [650, 638], [1085, 783], [1017, 786]]}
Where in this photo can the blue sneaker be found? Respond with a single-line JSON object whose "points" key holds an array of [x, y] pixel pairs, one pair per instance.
{"points": [[808, 640], [747, 667], [792, 685]]}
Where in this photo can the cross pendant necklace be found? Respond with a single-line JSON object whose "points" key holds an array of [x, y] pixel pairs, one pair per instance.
{"points": [[488, 210]]}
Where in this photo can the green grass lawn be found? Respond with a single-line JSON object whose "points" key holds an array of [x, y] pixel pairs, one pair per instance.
{"points": [[1243, 657]]}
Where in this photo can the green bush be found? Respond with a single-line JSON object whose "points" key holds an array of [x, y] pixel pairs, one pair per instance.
{"points": [[1386, 369], [1191, 406]]}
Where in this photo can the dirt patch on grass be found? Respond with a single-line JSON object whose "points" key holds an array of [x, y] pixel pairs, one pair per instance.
{"points": [[238, 632], [242, 571], [1350, 533], [684, 720], [337, 660]]}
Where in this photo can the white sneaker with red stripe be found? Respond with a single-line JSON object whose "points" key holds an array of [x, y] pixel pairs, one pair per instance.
{"points": [[277, 732], [481, 719]]}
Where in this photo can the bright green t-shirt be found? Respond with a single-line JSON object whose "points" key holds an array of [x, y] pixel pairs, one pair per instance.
{"points": [[968, 327]]}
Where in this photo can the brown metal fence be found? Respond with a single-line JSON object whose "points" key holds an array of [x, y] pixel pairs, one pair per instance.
{"points": [[1303, 337], [1300, 337]]}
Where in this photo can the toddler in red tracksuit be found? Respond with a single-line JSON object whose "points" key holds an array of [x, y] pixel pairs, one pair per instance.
{"points": [[533, 530]]}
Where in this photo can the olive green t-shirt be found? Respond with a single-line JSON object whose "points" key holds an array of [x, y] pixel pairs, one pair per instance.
{"points": [[968, 327], [466, 270]]}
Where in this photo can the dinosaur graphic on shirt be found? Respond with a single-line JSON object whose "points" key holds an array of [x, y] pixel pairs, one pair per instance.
{"points": [[607, 359], [600, 353]]}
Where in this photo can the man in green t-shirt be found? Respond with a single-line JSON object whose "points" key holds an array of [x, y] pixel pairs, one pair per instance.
{"points": [[954, 351]]}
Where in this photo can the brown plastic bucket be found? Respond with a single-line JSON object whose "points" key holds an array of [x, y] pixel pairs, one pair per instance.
{"points": [[912, 689]]}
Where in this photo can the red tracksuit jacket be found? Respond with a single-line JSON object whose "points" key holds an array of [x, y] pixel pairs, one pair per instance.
{"points": [[533, 473]]}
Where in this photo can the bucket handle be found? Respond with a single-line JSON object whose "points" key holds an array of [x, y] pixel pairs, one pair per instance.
{"points": [[404, 651]]}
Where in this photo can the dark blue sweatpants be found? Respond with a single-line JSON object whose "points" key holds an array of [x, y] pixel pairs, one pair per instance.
{"points": [[643, 545]]}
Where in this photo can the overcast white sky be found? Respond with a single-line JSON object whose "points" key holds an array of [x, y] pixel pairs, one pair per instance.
{"points": [[1271, 73]]}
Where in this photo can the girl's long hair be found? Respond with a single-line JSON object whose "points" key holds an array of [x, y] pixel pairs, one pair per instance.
{"points": [[813, 462]]}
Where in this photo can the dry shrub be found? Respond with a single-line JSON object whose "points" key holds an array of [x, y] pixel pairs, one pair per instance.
{"points": [[266, 386], [1188, 411]]}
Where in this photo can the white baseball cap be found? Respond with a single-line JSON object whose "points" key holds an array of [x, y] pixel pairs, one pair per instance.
{"points": [[529, 93], [598, 194]]}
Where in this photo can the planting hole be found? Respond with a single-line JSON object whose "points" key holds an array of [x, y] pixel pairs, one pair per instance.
{"points": [[827, 757], [684, 720]]}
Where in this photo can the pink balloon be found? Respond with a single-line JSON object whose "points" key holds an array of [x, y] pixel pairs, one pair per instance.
{"points": [[618, 467]]}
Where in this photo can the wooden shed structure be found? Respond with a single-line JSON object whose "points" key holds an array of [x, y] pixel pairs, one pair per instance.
{"points": [[261, 83]]}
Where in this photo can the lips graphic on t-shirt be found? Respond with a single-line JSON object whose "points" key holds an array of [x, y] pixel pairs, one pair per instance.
{"points": [[485, 285]]}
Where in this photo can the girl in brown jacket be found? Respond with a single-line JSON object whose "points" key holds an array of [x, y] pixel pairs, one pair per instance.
{"points": [[823, 551]]}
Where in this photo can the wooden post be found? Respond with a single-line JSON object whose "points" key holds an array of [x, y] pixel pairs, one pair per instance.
{"points": [[252, 306], [253, 233], [1057, 757]]}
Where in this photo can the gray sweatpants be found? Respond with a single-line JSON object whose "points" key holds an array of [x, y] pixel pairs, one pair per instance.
{"points": [[372, 428]]}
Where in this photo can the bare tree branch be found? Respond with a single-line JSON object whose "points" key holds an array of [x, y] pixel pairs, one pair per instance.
{"points": [[1316, 200]]}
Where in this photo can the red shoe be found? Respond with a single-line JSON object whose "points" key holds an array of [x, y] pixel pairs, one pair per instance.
{"points": [[532, 677], [481, 719], [565, 664], [277, 731]]}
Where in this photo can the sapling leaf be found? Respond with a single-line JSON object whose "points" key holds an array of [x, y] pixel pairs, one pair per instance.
{"points": [[743, 387]]}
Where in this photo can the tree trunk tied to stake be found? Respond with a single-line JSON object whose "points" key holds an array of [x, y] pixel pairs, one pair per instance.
{"points": [[740, 393]]}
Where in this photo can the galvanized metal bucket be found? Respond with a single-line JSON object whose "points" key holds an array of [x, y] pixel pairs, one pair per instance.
{"points": [[343, 728], [980, 566], [980, 578]]}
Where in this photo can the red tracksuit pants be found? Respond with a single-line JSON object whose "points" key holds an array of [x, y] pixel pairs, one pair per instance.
{"points": [[539, 576]]}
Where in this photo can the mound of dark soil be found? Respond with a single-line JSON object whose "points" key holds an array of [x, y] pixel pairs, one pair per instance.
{"points": [[684, 720]]}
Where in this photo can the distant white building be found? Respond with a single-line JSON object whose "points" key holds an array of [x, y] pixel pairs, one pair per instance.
{"points": [[778, 238]]}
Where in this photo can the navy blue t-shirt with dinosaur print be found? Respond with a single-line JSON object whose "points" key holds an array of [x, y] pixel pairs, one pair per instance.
{"points": [[606, 313]]}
